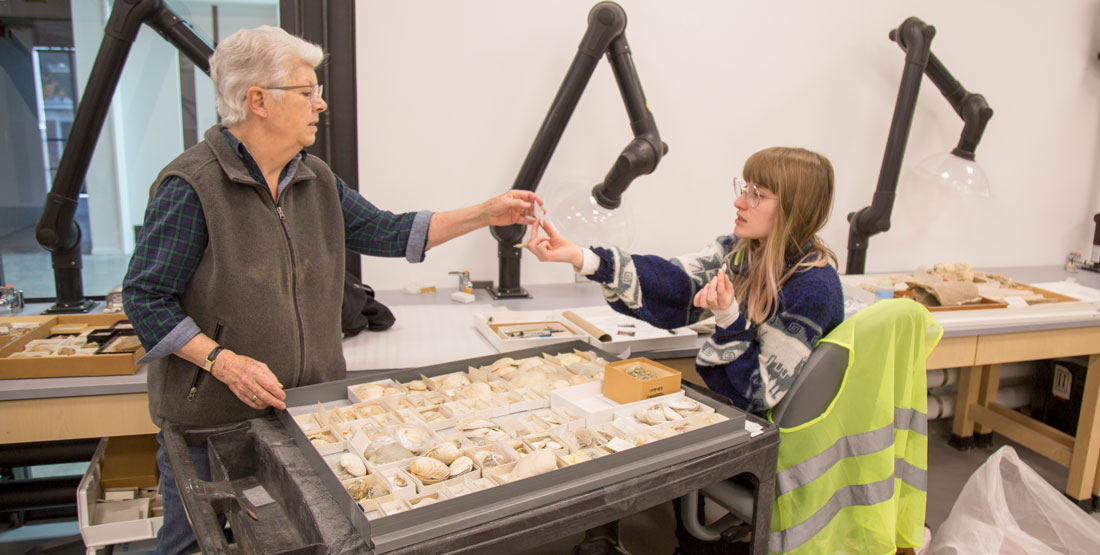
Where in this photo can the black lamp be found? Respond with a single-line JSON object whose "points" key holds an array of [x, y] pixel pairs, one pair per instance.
{"points": [[57, 230], [956, 169], [606, 24]]}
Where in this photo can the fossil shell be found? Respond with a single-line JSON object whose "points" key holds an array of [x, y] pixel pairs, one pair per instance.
{"points": [[353, 465], [545, 443], [536, 463], [585, 438], [671, 415], [651, 416], [365, 488], [569, 358], [461, 465], [505, 372], [425, 501], [390, 390], [399, 481], [488, 459], [477, 424], [684, 405], [506, 361], [559, 384], [429, 470], [412, 437], [528, 378], [417, 385], [390, 453], [476, 390], [370, 391], [528, 363], [445, 452], [455, 381]]}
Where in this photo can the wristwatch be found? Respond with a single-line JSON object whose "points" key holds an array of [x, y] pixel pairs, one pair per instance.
{"points": [[208, 364]]}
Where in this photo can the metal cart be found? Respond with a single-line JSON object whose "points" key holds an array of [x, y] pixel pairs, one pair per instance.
{"points": [[311, 512]]}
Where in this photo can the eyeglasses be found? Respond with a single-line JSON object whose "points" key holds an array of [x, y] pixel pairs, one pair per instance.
{"points": [[314, 91], [749, 190]]}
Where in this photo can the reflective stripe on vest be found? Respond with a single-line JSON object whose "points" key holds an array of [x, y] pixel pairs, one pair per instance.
{"points": [[796, 476], [861, 494], [911, 419]]}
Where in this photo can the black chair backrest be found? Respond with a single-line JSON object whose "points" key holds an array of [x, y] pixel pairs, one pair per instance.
{"points": [[814, 387]]}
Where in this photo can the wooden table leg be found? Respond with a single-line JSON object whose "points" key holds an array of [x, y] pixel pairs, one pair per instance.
{"points": [[962, 429], [1086, 445], [987, 395]]}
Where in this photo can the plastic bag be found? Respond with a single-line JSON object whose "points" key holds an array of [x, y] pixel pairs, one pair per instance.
{"points": [[1006, 507]]}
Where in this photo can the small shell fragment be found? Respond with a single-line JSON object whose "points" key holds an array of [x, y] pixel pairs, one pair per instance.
{"points": [[476, 390], [353, 465], [684, 405], [461, 465], [370, 391], [538, 462], [455, 381]]}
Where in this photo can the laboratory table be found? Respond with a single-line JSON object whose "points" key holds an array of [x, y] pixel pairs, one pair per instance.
{"points": [[66, 408]]}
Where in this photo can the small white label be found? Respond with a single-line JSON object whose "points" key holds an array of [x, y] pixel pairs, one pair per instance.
{"points": [[359, 442], [1015, 302], [619, 444], [258, 496], [1063, 382]]}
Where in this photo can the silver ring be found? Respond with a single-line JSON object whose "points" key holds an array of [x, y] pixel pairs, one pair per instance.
{"points": [[254, 397]]}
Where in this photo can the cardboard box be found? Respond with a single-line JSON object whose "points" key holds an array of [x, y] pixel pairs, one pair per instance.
{"points": [[621, 386], [112, 364], [130, 462]]}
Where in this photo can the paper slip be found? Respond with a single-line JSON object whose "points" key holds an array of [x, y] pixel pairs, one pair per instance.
{"points": [[258, 496]]}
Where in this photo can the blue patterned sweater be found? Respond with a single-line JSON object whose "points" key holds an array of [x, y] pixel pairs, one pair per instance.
{"points": [[753, 365]]}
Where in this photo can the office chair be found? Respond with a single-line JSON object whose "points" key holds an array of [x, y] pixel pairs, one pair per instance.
{"points": [[897, 333]]}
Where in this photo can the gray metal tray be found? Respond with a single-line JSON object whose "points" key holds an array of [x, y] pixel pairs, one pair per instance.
{"points": [[670, 467]]}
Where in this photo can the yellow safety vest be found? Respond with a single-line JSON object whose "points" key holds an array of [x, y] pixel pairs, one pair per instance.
{"points": [[854, 480]]}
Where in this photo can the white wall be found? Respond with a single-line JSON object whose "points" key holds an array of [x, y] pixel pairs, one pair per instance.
{"points": [[452, 93]]}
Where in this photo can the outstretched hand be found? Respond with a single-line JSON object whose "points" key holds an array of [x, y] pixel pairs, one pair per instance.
{"points": [[718, 294], [553, 247], [515, 206]]}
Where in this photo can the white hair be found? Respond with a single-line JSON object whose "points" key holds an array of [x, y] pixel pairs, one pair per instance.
{"points": [[259, 57]]}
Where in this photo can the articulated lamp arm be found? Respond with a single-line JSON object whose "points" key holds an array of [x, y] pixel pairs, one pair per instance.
{"points": [[914, 37], [606, 24], [57, 230]]}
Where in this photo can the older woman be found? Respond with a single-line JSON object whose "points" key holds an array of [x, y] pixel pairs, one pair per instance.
{"points": [[239, 267]]}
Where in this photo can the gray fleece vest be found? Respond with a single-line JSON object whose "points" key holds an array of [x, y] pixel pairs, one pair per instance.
{"points": [[269, 284]]}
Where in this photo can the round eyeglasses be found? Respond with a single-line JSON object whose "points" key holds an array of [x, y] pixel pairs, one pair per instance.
{"points": [[314, 91], [749, 190]]}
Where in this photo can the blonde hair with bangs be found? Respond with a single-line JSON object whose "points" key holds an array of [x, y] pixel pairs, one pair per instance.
{"points": [[261, 57], [803, 183]]}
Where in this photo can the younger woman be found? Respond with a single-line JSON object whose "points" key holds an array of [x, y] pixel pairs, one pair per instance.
{"points": [[769, 284]]}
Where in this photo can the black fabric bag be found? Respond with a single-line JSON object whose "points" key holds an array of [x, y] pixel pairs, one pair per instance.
{"points": [[360, 310]]}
